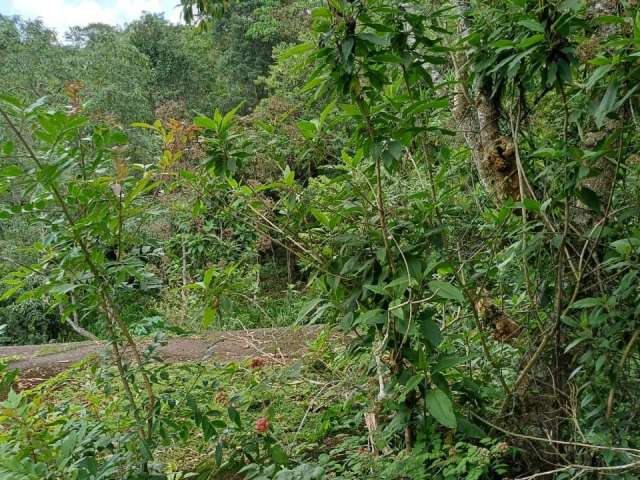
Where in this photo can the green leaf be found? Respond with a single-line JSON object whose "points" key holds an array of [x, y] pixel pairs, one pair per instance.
{"points": [[372, 317], [11, 171], [347, 321], [429, 328], [375, 39], [10, 100], [63, 288], [143, 125], [388, 58], [531, 204], [307, 308], [145, 450], [7, 148], [278, 455], [376, 289], [546, 152], [218, 454], [321, 12], [470, 429], [434, 60], [209, 316], [66, 449], [570, 5], [575, 343], [425, 105], [446, 290], [625, 246], [610, 20], [208, 276], [414, 381], [308, 129], [226, 305], [606, 104], [347, 47], [234, 416], [321, 217], [205, 122], [296, 50], [597, 74], [228, 117], [400, 282], [441, 408], [590, 199], [532, 24], [529, 41], [449, 361], [144, 185], [395, 149], [10, 293], [587, 303]]}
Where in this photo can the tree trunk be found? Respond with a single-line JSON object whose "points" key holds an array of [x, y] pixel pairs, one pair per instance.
{"points": [[477, 114]]}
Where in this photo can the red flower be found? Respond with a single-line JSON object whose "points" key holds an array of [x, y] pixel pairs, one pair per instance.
{"points": [[257, 362], [262, 425]]}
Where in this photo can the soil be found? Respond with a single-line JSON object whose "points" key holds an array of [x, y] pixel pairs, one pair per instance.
{"points": [[36, 363]]}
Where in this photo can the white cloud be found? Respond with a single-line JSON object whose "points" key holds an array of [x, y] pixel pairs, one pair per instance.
{"points": [[62, 14]]}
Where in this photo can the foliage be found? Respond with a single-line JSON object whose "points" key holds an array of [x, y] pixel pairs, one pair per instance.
{"points": [[454, 184], [180, 60], [59, 441], [295, 442], [28, 323]]}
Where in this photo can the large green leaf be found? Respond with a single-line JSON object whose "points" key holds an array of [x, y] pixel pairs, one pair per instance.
{"points": [[307, 308], [11, 171], [446, 290], [278, 455], [532, 24], [205, 122], [372, 317], [441, 408], [590, 199], [606, 104], [429, 328], [296, 49]]}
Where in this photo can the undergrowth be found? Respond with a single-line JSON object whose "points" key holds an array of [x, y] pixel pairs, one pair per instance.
{"points": [[302, 419]]}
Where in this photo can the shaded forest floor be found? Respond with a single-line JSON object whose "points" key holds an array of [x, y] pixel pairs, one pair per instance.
{"points": [[37, 363]]}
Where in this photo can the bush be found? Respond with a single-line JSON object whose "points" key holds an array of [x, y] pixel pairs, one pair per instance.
{"points": [[29, 322]]}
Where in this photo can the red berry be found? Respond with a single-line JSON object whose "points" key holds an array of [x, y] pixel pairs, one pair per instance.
{"points": [[257, 362], [262, 425]]}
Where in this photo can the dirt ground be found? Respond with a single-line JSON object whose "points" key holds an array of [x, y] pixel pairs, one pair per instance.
{"points": [[36, 363]]}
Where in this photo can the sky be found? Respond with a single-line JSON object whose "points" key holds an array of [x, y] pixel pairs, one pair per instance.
{"points": [[62, 14]]}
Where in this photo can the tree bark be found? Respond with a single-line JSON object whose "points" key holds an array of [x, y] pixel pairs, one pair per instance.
{"points": [[477, 114]]}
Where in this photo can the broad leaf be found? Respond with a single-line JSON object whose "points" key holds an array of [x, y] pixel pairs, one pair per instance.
{"points": [[441, 408], [446, 290]]}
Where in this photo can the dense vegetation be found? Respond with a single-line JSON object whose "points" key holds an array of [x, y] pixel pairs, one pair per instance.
{"points": [[451, 185]]}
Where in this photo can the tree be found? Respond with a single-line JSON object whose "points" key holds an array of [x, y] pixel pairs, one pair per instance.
{"points": [[182, 63]]}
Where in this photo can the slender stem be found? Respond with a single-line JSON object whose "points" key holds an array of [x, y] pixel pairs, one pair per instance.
{"points": [[107, 304], [625, 354], [120, 222], [379, 199]]}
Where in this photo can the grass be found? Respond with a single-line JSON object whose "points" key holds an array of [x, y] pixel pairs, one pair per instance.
{"points": [[315, 407], [311, 403], [11, 358], [52, 348]]}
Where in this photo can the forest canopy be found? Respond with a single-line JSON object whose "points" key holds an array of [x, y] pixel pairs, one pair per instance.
{"points": [[429, 208]]}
